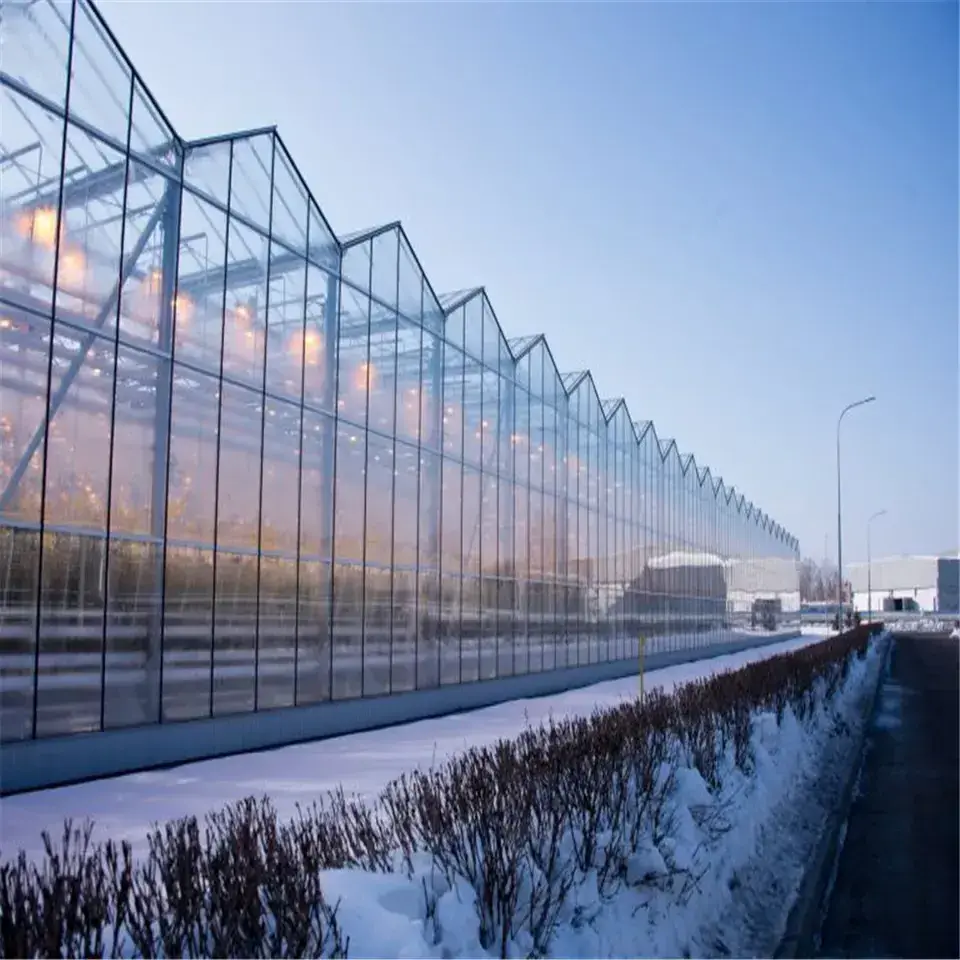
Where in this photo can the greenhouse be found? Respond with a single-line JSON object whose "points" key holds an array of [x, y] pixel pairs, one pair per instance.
{"points": [[247, 463]]}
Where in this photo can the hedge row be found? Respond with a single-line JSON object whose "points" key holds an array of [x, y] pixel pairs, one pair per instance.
{"points": [[521, 822]]}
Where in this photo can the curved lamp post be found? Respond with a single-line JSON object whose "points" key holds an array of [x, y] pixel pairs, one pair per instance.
{"points": [[873, 517], [843, 413]]}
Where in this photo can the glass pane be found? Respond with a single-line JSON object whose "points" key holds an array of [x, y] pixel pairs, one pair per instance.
{"points": [[187, 633], [200, 283], [320, 340], [19, 559], [287, 343], [245, 316], [150, 135], [90, 234], [100, 78], [290, 209], [24, 347], [29, 198], [78, 457], [193, 456], [134, 620], [276, 632], [238, 510], [207, 170], [410, 292], [234, 632], [250, 180], [384, 276], [70, 680], [35, 39], [148, 268]]}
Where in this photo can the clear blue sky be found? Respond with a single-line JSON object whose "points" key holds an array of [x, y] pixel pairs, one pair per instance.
{"points": [[740, 216]]}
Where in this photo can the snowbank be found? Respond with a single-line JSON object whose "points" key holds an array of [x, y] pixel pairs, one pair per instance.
{"points": [[676, 827]]}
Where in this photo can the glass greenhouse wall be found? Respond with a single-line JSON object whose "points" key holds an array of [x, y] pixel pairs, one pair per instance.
{"points": [[247, 464]]}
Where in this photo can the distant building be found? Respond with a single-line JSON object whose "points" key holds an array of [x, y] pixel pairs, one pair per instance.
{"points": [[911, 583]]}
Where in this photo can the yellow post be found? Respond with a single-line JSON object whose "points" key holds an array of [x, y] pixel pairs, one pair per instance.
{"points": [[643, 644]]}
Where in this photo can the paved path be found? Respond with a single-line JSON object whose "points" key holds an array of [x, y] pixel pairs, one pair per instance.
{"points": [[898, 879]]}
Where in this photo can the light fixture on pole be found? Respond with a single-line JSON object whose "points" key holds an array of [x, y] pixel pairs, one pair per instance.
{"points": [[873, 517], [843, 413]]}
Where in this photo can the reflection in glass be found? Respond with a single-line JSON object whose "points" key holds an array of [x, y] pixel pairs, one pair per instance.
{"points": [[245, 465]]}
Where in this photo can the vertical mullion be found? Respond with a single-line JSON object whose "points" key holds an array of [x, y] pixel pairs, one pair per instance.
{"points": [[393, 471], [175, 258], [216, 480], [55, 279], [416, 577], [366, 452], [263, 427], [105, 588], [303, 390]]}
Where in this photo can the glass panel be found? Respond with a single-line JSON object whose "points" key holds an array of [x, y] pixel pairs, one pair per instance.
{"points": [[238, 508], [24, 348], [100, 78], [193, 456], [376, 630], [78, 456], [71, 634], [244, 325], [381, 370], [287, 344], [141, 410], [150, 232], [134, 621], [378, 509], [150, 134], [281, 452], [276, 632], [348, 630], [355, 376], [410, 287], [324, 249], [473, 326], [201, 277], [234, 632], [19, 559], [355, 266], [316, 519], [207, 169], [35, 39], [29, 198], [320, 340], [250, 180], [403, 648], [384, 278], [90, 234], [290, 204]]}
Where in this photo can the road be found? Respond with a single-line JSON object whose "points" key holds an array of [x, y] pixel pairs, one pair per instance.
{"points": [[898, 876]]}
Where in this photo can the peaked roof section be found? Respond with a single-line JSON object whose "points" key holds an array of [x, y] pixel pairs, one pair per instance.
{"points": [[283, 166]]}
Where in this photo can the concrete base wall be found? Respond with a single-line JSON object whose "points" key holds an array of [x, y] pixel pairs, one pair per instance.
{"points": [[57, 761]]}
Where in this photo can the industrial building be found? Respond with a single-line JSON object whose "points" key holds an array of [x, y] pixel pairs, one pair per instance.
{"points": [[928, 584], [248, 464]]}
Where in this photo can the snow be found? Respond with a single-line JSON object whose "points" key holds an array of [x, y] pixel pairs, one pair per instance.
{"points": [[126, 807], [721, 882]]}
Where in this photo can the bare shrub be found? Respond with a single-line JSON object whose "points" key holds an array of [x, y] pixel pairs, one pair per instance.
{"points": [[519, 822]]}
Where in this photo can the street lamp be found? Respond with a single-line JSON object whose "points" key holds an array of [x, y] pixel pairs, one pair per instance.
{"points": [[843, 413], [873, 517]]}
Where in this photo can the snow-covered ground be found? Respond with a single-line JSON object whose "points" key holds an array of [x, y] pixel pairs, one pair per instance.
{"points": [[126, 807], [742, 851]]}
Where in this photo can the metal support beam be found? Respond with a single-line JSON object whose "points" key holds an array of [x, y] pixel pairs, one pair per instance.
{"points": [[328, 442], [159, 487], [434, 479], [56, 399]]}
